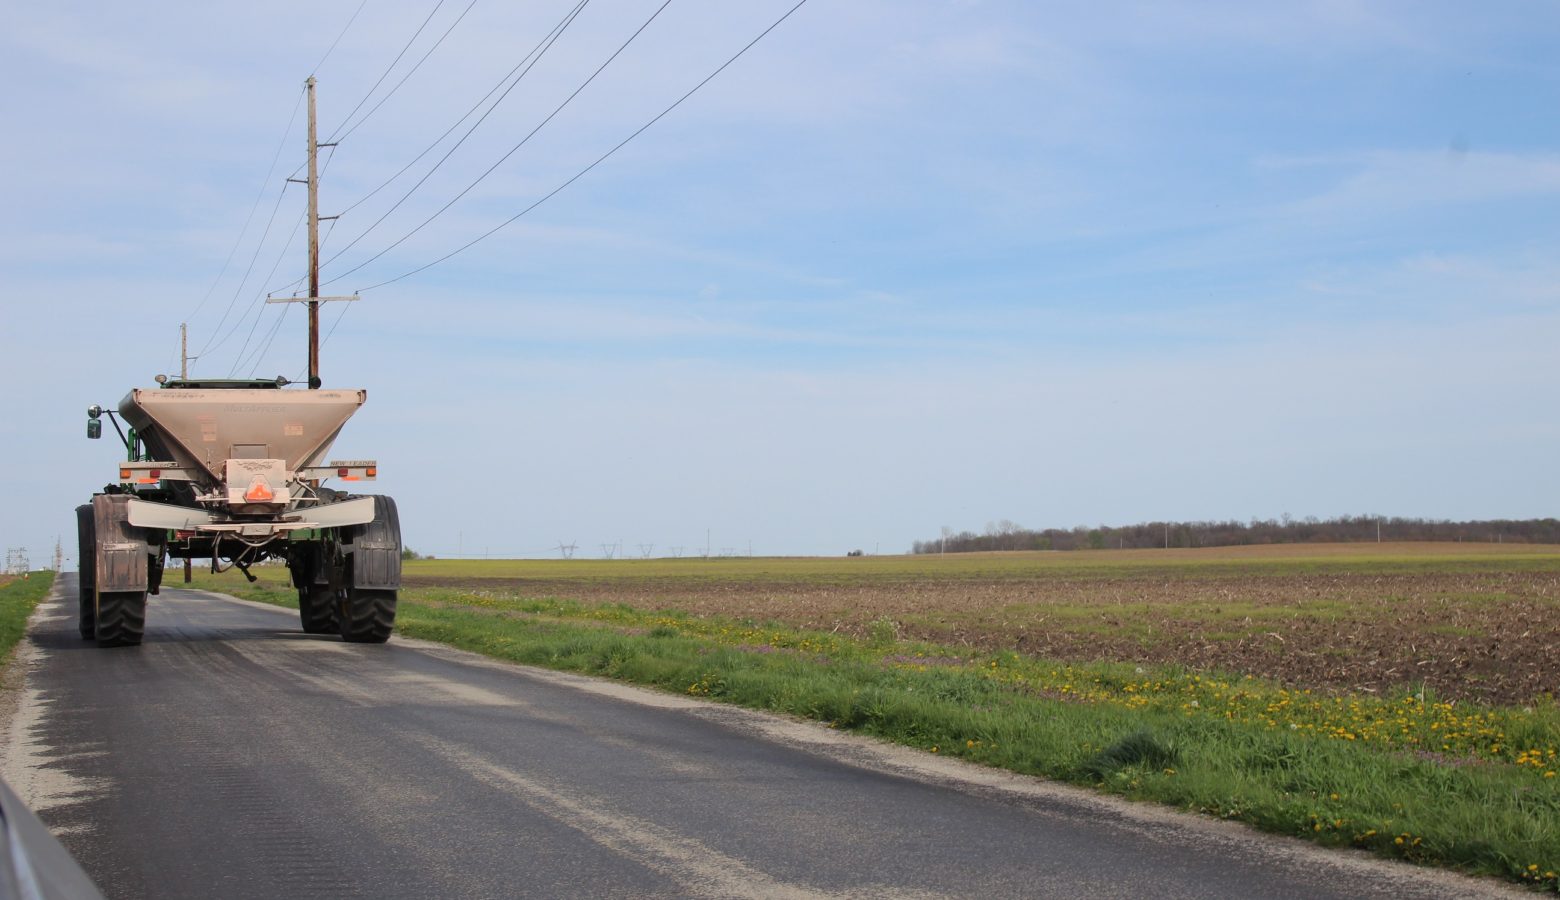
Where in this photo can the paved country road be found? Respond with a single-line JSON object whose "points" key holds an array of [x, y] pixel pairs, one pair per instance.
{"points": [[233, 756]]}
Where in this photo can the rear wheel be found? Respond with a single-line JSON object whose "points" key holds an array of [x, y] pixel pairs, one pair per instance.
{"points": [[86, 578], [317, 609], [120, 618], [367, 616]]}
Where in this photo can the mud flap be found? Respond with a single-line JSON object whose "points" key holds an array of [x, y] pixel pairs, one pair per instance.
{"points": [[122, 551], [376, 549]]}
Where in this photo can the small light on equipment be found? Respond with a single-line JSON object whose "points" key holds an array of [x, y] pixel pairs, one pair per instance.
{"points": [[124, 474], [94, 429], [161, 379], [372, 471], [259, 491], [94, 411]]}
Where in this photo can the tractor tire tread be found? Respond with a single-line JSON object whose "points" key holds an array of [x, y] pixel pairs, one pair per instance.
{"points": [[368, 616], [317, 610], [121, 618]]}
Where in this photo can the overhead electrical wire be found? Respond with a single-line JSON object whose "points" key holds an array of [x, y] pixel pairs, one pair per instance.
{"points": [[259, 195], [247, 271], [540, 50], [599, 160], [563, 23], [259, 300], [388, 69], [523, 141], [259, 307], [261, 352], [409, 73], [536, 52], [343, 34]]}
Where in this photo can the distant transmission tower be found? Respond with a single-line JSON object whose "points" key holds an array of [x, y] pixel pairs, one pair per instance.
{"points": [[567, 549], [16, 562], [676, 552], [608, 550], [645, 550]]}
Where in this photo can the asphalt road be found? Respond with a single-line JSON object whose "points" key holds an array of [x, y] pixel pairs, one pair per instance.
{"points": [[233, 756]]}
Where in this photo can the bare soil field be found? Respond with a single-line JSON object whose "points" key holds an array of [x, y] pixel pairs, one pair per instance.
{"points": [[1476, 622]]}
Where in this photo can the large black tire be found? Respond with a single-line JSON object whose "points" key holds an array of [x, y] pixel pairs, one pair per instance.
{"points": [[317, 609], [316, 600], [121, 618], [86, 568], [367, 615]]}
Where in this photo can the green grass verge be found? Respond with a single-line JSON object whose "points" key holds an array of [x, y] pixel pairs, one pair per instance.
{"points": [[18, 598], [1471, 788]]}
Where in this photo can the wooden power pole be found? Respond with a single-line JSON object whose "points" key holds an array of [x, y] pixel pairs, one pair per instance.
{"points": [[314, 244], [313, 299]]}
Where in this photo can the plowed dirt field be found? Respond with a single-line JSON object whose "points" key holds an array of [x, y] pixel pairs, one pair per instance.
{"points": [[1470, 622]]}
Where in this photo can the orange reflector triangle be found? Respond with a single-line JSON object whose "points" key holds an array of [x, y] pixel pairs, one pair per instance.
{"points": [[259, 491]]}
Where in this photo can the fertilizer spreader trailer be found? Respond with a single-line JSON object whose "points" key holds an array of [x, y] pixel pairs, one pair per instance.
{"points": [[230, 471]]}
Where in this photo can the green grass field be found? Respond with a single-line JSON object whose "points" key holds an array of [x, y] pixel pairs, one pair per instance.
{"points": [[18, 598], [1394, 698]]}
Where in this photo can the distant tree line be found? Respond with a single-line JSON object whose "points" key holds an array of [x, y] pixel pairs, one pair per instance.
{"points": [[1006, 535]]}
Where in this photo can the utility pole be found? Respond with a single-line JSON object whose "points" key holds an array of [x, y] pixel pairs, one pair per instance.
{"points": [[314, 244], [314, 299], [184, 352]]}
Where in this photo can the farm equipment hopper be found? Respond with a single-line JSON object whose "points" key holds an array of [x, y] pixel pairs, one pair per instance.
{"points": [[231, 471]]}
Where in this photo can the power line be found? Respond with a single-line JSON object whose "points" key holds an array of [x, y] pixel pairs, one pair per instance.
{"points": [[316, 69], [580, 174], [512, 150], [259, 195], [543, 48], [388, 69], [262, 350], [260, 354], [410, 72], [259, 308], [540, 49], [247, 271], [274, 266]]}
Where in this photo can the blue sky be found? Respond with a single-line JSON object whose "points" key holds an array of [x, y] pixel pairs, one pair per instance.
{"points": [[902, 266]]}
